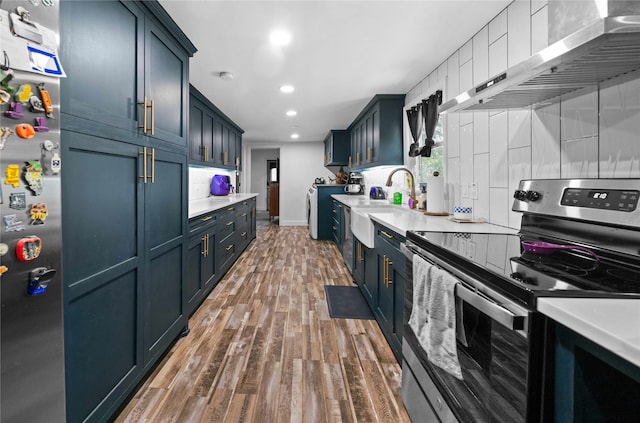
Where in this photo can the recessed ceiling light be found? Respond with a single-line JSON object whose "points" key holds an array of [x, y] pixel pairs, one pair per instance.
{"points": [[280, 38], [291, 113], [287, 88], [295, 136], [227, 76]]}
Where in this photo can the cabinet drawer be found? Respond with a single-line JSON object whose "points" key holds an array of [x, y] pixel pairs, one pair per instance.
{"points": [[226, 252], [386, 236], [226, 228], [201, 222]]}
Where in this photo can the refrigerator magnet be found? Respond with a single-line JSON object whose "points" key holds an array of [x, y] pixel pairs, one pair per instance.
{"points": [[25, 131], [18, 201], [12, 224], [4, 249], [5, 131], [38, 213], [28, 248], [33, 176], [12, 174]]}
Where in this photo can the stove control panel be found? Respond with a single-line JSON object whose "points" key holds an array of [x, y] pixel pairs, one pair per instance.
{"points": [[606, 199]]}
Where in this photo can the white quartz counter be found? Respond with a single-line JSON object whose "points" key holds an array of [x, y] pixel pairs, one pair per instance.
{"points": [[404, 219], [212, 203], [611, 323]]}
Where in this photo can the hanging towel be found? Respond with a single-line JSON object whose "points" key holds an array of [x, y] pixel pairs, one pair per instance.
{"points": [[419, 314], [439, 335]]}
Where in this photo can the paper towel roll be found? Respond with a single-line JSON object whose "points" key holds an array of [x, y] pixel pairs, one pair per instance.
{"points": [[435, 194]]}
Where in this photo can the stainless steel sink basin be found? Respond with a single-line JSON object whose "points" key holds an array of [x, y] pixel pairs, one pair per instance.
{"points": [[362, 225]]}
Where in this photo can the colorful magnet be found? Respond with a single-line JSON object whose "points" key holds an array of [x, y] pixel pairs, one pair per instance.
{"points": [[12, 224], [48, 3], [28, 248], [17, 201], [56, 163], [5, 97], [39, 279], [3, 269], [12, 176], [15, 112], [41, 125], [4, 249], [26, 131], [23, 93], [38, 213], [33, 176], [35, 104], [4, 134], [46, 100]]}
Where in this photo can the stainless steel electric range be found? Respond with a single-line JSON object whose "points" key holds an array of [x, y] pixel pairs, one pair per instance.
{"points": [[578, 238]]}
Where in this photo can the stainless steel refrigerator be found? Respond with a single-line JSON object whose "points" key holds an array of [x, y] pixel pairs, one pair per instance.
{"points": [[31, 329]]}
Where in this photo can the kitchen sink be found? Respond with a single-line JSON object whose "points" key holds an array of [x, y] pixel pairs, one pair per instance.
{"points": [[362, 225]]}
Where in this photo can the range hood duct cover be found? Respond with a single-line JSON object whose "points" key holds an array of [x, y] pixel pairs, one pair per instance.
{"points": [[602, 49]]}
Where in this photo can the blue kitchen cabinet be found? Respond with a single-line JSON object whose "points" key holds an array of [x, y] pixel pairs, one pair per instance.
{"points": [[327, 218], [391, 266], [376, 133], [214, 140], [124, 196], [365, 272], [336, 148]]}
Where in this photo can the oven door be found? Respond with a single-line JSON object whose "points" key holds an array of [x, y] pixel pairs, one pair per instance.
{"points": [[493, 352]]}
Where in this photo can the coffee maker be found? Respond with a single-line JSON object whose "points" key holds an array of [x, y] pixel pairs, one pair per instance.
{"points": [[355, 184]]}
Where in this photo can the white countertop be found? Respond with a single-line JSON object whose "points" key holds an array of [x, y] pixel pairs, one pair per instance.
{"points": [[611, 323], [406, 219], [206, 205]]}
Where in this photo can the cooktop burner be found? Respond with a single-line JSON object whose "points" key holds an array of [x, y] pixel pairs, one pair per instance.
{"points": [[528, 275]]}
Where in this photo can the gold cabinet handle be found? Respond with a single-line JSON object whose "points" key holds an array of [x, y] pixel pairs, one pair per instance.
{"points": [[244, 215], [386, 234], [349, 161], [237, 161], [144, 164], [225, 158], [244, 234], [389, 281], [358, 158], [204, 219], [230, 209], [360, 257], [204, 245], [206, 153], [368, 154], [334, 228], [153, 118], [153, 165], [384, 270], [229, 223], [229, 247]]}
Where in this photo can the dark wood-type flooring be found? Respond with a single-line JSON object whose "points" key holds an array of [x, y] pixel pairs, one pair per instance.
{"points": [[263, 348]]}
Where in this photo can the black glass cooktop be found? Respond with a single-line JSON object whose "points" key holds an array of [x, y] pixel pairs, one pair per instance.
{"points": [[502, 261]]}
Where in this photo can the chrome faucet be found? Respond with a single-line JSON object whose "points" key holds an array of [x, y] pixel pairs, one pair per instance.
{"points": [[413, 184]]}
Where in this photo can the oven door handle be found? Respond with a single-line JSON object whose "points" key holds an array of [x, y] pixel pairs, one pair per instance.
{"points": [[473, 297], [494, 311]]}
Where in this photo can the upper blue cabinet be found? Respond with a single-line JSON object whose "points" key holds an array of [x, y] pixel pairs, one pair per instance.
{"points": [[376, 134], [127, 70], [214, 139], [337, 148]]}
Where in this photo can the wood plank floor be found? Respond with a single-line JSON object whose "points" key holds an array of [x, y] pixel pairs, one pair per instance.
{"points": [[263, 348]]}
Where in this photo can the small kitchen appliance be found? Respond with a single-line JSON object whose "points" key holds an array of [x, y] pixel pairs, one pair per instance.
{"points": [[377, 193], [355, 184], [220, 185], [578, 238]]}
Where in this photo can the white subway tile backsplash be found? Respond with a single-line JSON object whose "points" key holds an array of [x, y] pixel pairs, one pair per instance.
{"points": [[498, 56], [519, 127], [466, 154], [466, 52], [498, 26], [499, 205], [579, 158], [519, 31], [466, 76], [453, 75], [481, 178], [452, 141], [619, 129], [498, 151], [536, 5], [545, 142], [452, 178], [481, 132], [539, 29], [579, 117], [481, 56]]}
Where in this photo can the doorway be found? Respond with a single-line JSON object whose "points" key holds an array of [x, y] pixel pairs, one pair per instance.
{"points": [[273, 188]]}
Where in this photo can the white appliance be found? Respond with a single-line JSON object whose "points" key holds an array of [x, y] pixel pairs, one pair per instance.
{"points": [[312, 212]]}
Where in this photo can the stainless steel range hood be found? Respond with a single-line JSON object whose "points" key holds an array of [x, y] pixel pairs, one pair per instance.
{"points": [[585, 50]]}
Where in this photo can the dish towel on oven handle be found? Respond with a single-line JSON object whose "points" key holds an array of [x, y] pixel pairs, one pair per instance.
{"points": [[433, 316]]}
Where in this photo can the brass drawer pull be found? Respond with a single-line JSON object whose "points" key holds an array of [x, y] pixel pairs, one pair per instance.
{"points": [[229, 223], [204, 219], [244, 215], [244, 234], [229, 247], [387, 235], [204, 245]]}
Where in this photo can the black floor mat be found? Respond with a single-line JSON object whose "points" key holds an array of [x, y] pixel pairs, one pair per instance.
{"points": [[346, 302]]}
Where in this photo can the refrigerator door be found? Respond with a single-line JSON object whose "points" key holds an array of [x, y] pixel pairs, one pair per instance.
{"points": [[31, 329]]}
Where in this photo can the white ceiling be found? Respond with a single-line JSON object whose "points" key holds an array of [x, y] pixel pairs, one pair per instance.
{"points": [[341, 54]]}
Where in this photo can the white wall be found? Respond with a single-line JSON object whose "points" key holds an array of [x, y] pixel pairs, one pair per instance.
{"points": [[200, 180], [591, 136], [259, 174], [300, 164]]}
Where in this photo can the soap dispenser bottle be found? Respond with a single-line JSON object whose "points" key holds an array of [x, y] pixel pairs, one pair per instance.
{"points": [[422, 198]]}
